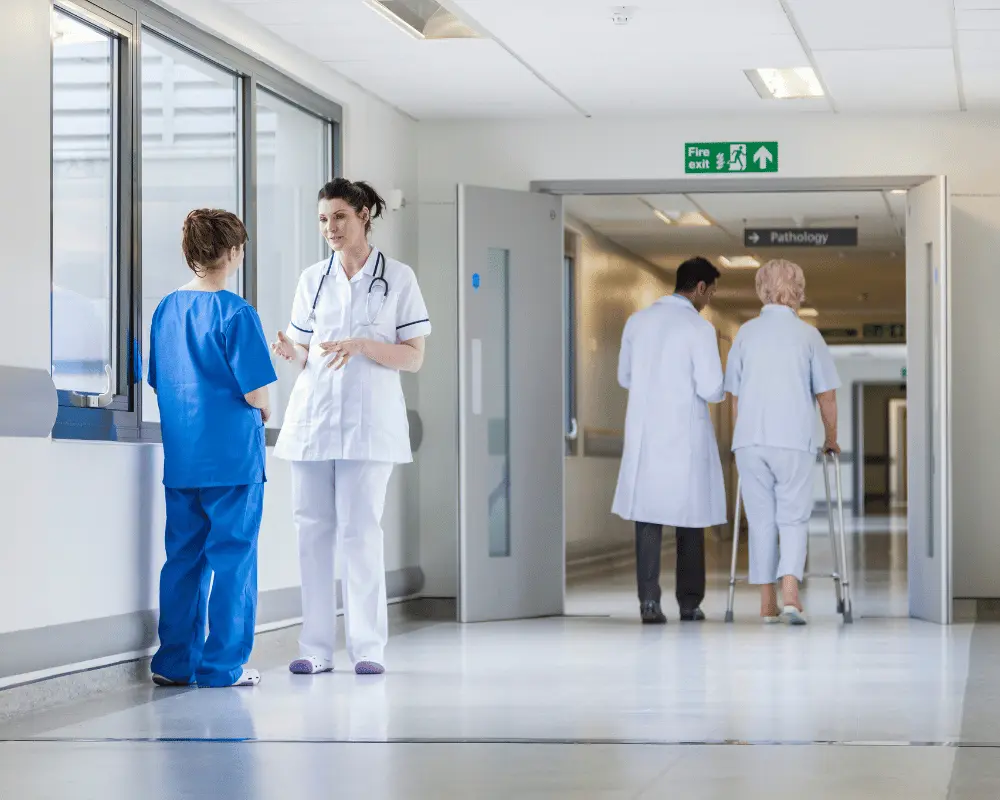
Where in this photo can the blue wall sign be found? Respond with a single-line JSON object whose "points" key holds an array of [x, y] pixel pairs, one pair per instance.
{"points": [[475, 281]]}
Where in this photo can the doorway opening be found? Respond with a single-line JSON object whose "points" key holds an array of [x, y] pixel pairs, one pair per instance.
{"points": [[884, 292]]}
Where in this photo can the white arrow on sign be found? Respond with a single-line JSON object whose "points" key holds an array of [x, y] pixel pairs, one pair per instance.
{"points": [[754, 238], [762, 156]]}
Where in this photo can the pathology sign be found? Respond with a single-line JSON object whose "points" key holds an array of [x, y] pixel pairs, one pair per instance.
{"points": [[800, 237], [730, 157]]}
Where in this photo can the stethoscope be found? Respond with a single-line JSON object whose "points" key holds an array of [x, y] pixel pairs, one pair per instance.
{"points": [[378, 280]]}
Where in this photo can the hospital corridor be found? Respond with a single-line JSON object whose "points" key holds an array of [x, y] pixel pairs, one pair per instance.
{"points": [[499, 399]]}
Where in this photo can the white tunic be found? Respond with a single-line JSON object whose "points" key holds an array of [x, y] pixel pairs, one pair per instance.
{"points": [[358, 412], [671, 473], [777, 366]]}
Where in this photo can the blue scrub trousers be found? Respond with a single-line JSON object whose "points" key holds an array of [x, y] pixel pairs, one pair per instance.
{"points": [[209, 531]]}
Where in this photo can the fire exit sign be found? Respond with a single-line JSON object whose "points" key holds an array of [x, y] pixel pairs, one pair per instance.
{"points": [[730, 157]]}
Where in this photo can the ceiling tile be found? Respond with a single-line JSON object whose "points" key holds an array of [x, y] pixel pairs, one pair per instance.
{"points": [[978, 20], [672, 57], [607, 69], [867, 25], [891, 80]]}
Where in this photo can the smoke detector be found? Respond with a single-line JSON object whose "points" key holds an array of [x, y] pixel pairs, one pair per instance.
{"points": [[622, 15]]}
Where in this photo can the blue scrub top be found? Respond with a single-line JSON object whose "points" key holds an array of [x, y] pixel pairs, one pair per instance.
{"points": [[777, 366], [206, 351]]}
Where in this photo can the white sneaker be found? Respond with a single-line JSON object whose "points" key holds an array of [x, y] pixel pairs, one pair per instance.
{"points": [[250, 677], [310, 665], [793, 616], [771, 620]]}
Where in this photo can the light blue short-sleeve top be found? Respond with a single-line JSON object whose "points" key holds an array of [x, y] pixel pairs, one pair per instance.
{"points": [[777, 366]]}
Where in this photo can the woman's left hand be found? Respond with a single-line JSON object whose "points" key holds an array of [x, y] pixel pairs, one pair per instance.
{"points": [[343, 351]]}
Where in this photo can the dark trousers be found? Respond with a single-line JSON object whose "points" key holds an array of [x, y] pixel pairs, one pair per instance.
{"points": [[690, 564]]}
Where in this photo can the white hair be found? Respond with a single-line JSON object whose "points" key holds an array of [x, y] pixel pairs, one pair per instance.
{"points": [[781, 282]]}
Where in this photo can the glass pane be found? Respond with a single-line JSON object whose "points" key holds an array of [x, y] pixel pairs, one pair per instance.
{"points": [[293, 161], [83, 179], [570, 317], [190, 159], [496, 373]]}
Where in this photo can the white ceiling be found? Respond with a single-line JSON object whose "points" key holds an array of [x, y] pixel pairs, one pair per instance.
{"points": [[846, 285], [551, 57]]}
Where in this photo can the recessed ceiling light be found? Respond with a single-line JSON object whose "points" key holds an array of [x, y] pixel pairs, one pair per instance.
{"points": [[739, 262], [422, 19], [897, 191], [808, 312], [796, 83], [695, 218], [683, 218]]}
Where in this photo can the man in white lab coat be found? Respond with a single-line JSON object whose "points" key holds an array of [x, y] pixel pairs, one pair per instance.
{"points": [[671, 473]]}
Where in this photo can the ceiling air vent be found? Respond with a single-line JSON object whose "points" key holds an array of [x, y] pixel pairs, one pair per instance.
{"points": [[423, 19]]}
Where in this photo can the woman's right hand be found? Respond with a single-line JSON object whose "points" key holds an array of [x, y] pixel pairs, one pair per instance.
{"points": [[831, 447], [284, 347]]}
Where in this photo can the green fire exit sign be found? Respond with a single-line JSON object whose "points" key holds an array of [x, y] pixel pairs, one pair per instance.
{"points": [[729, 157]]}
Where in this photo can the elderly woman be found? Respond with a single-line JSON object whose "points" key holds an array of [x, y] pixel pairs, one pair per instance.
{"points": [[779, 366]]}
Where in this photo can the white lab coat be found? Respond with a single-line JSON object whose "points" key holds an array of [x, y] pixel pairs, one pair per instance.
{"points": [[671, 473]]}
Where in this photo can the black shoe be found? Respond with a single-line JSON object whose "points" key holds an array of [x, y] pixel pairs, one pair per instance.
{"points": [[652, 614], [694, 615]]}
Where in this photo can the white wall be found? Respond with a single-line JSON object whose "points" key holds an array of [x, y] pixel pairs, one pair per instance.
{"points": [[511, 154], [83, 522], [976, 382]]}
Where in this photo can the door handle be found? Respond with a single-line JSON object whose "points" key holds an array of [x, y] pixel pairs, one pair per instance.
{"points": [[573, 431], [92, 400]]}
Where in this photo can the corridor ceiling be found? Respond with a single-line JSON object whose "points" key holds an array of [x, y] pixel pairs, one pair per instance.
{"points": [[847, 286], [569, 57]]}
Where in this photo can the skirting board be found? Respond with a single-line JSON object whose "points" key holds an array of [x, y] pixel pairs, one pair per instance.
{"points": [[76, 645]]}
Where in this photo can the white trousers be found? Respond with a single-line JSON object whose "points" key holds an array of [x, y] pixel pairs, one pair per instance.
{"points": [[337, 507], [778, 498]]}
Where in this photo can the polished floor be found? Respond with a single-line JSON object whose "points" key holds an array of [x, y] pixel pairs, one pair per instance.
{"points": [[591, 705]]}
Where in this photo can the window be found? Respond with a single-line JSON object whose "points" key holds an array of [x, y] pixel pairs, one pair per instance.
{"points": [[190, 159], [84, 200], [293, 160], [569, 311], [192, 121]]}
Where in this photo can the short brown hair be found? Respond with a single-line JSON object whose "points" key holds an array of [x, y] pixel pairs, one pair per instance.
{"points": [[209, 235]]}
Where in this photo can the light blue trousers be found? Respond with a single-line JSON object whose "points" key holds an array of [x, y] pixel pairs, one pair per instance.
{"points": [[210, 531], [778, 498]]}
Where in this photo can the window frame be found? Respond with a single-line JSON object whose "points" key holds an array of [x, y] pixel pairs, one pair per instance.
{"points": [[128, 19], [84, 423]]}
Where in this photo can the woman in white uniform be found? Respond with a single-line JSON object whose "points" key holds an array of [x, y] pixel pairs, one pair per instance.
{"points": [[778, 368], [358, 320]]}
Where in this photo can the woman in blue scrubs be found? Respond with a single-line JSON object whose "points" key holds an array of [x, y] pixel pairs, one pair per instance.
{"points": [[210, 366]]}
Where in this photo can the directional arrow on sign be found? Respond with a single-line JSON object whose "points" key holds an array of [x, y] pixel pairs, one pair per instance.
{"points": [[762, 156], [753, 238]]}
